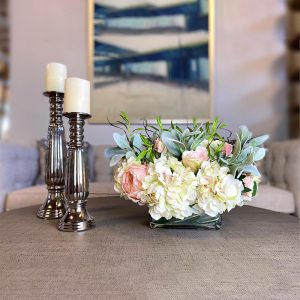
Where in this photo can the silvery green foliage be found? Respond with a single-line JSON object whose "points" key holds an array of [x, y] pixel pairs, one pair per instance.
{"points": [[140, 143], [247, 151], [125, 149]]}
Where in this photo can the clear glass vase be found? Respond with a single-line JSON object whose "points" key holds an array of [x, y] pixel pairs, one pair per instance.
{"points": [[193, 222]]}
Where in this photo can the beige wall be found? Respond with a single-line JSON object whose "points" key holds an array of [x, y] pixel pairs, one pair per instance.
{"points": [[249, 79], [250, 84]]}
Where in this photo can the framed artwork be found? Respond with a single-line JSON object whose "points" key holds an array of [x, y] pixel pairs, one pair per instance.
{"points": [[150, 58]]}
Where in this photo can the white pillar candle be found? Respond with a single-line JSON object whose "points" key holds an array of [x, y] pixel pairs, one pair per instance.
{"points": [[77, 95], [56, 75]]}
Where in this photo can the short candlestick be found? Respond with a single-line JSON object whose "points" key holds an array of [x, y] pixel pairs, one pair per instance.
{"points": [[76, 218]]}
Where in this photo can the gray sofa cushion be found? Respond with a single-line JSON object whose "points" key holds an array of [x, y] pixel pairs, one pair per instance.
{"points": [[36, 195], [273, 198], [18, 168], [42, 148]]}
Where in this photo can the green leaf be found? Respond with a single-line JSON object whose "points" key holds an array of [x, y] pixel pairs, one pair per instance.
{"points": [[139, 129], [223, 125], [258, 140], [121, 140], [159, 123], [195, 122], [254, 191], [246, 190], [142, 154], [178, 129], [145, 141], [207, 127], [197, 141], [151, 155], [219, 148], [124, 116], [215, 124]]}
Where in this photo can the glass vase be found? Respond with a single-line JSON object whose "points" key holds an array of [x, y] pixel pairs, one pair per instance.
{"points": [[193, 222]]}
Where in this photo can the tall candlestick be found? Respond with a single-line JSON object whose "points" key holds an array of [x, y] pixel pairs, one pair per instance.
{"points": [[77, 96], [56, 75], [54, 205]]}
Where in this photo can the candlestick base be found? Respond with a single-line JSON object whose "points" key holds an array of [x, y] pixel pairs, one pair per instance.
{"points": [[76, 219], [54, 206]]}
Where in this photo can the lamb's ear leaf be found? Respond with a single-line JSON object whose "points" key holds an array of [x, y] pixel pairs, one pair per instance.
{"points": [[121, 140], [224, 161], [236, 149], [233, 169], [244, 153], [115, 159], [130, 154], [167, 138], [259, 153], [244, 134], [258, 140], [110, 152], [251, 169], [137, 142]]}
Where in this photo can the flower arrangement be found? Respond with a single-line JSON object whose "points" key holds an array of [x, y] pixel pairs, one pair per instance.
{"points": [[180, 173]]}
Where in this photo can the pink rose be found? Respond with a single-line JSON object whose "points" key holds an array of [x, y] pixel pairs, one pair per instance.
{"points": [[132, 181], [159, 146], [194, 159], [248, 183], [227, 149]]}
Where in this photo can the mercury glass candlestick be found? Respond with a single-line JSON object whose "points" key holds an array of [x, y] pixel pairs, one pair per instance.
{"points": [[76, 218], [54, 205]]}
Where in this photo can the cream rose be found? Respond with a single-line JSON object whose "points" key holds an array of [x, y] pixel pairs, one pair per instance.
{"points": [[217, 190], [194, 159]]}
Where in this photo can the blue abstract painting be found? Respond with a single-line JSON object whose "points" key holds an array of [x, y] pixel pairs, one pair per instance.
{"points": [[150, 57]]}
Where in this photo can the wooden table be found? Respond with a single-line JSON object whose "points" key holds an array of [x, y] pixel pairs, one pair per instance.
{"points": [[254, 256]]}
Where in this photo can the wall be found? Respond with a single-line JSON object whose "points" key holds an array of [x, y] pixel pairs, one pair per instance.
{"points": [[249, 84]]}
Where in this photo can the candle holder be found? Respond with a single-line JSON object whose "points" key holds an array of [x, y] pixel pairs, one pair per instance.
{"points": [[76, 218], [54, 205]]}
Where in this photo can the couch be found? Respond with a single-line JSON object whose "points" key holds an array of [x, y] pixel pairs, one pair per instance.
{"points": [[20, 168]]}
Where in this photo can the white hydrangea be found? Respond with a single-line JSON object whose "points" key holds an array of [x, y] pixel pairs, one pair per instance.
{"points": [[217, 190], [170, 189]]}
